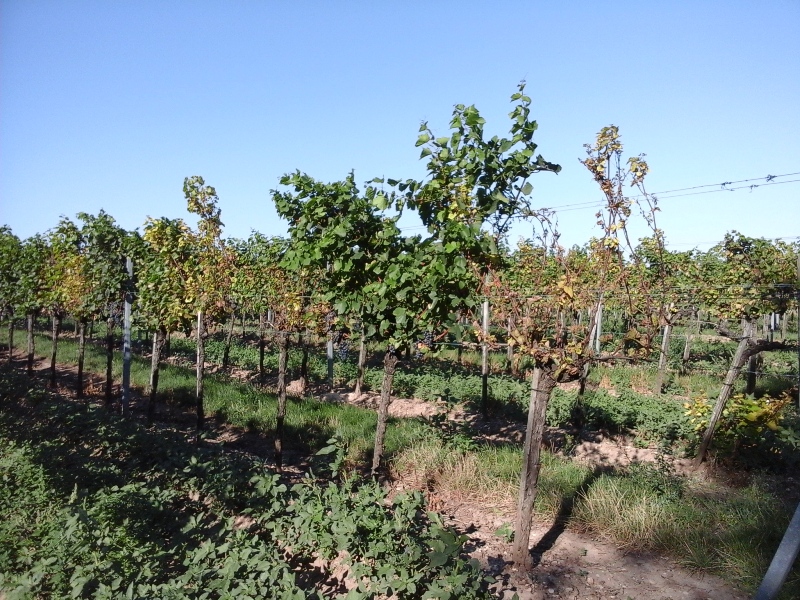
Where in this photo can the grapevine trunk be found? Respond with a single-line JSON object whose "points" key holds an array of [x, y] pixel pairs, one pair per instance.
{"points": [[389, 366], [542, 384], [283, 352]]}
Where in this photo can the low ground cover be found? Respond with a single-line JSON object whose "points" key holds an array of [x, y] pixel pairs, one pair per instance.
{"points": [[95, 506], [704, 526]]}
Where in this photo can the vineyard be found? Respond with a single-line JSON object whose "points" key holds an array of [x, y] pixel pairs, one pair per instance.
{"points": [[190, 416]]}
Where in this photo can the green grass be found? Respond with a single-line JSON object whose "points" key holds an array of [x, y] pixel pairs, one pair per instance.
{"points": [[309, 423], [729, 532]]}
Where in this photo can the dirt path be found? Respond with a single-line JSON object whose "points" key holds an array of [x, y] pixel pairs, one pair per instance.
{"points": [[573, 566], [567, 565]]}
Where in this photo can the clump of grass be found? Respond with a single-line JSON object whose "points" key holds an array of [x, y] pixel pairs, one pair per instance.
{"points": [[488, 475], [619, 509], [729, 532]]}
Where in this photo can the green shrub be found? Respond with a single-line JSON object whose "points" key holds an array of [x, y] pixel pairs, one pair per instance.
{"points": [[560, 408], [757, 423]]}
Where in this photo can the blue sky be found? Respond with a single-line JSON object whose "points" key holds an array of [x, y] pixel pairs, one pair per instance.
{"points": [[111, 104]]}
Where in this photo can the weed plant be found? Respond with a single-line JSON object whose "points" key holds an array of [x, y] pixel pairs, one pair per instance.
{"points": [[94, 506]]}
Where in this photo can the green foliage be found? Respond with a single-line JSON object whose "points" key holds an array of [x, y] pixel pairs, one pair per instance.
{"points": [[209, 284], [143, 514], [395, 548], [336, 463], [560, 409], [473, 180], [103, 249], [432, 384], [367, 269], [748, 277], [402, 286], [652, 419], [506, 532], [10, 274], [32, 274], [167, 273], [657, 479], [748, 422], [25, 502], [258, 283]]}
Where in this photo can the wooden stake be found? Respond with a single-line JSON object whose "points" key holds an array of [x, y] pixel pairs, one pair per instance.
{"points": [[662, 359], [541, 387], [725, 392], [485, 360], [201, 358]]}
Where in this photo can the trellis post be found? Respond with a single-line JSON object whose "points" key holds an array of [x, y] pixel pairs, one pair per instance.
{"points": [[126, 339], [485, 359]]}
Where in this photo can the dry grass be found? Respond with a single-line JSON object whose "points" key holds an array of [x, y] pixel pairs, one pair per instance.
{"points": [[457, 476], [618, 513], [487, 476]]}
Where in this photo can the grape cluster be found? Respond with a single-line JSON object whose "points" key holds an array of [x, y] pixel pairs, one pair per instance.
{"points": [[116, 312], [425, 343], [330, 320], [343, 349]]}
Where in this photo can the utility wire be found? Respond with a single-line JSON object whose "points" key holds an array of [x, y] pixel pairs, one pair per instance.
{"points": [[599, 203], [768, 178], [667, 194]]}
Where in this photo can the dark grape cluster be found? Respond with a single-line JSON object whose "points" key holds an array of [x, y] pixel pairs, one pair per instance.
{"points": [[343, 349], [116, 312], [330, 320], [425, 343]]}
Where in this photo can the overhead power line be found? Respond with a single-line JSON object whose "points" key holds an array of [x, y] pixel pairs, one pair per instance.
{"points": [[768, 179], [724, 186], [666, 195], [775, 239]]}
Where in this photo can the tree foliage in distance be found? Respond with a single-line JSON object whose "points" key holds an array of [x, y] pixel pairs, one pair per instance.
{"points": [[32, 286], [166, 268], [105, 246], [10, 289], [64, 282], [747, 277], [10, 250]]}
